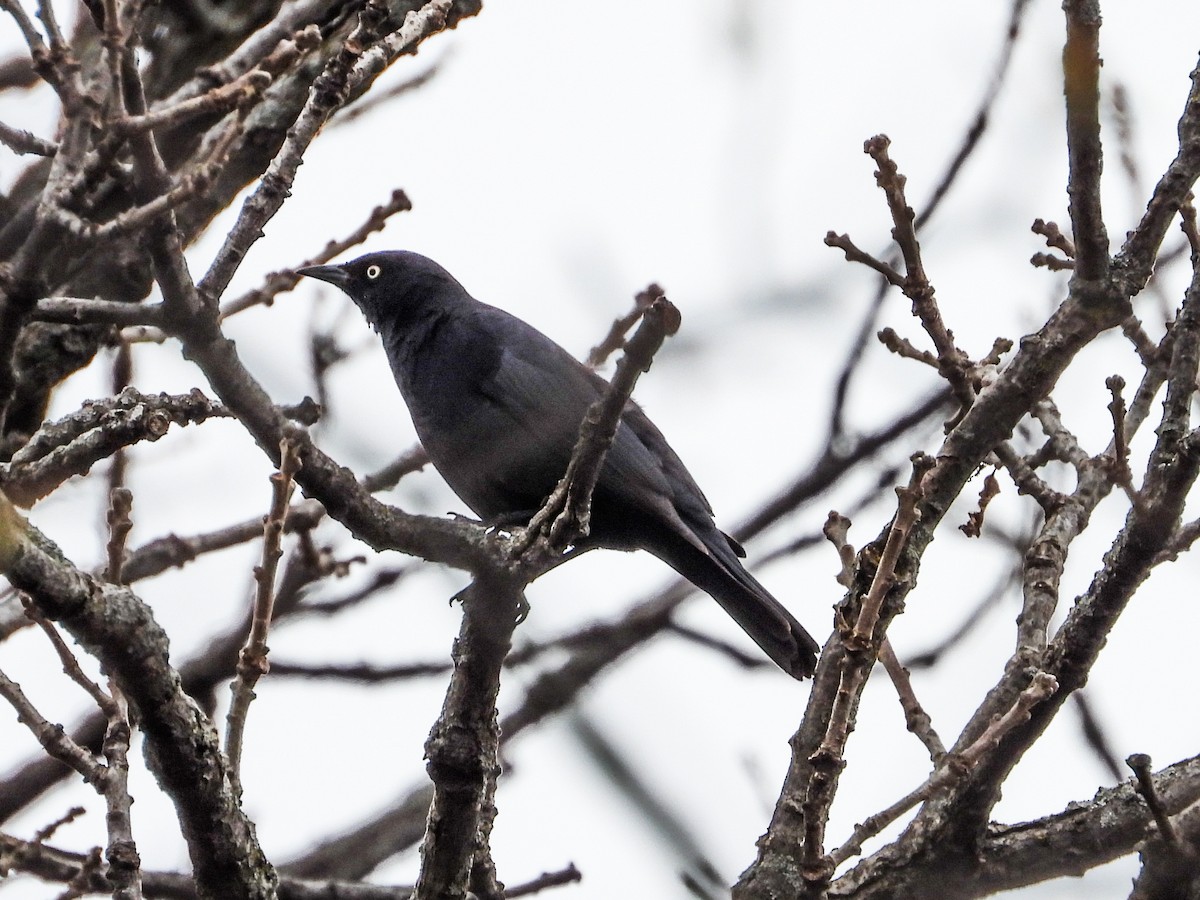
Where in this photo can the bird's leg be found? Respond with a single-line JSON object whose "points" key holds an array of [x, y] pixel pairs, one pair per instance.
{"points": [[507, 520]]}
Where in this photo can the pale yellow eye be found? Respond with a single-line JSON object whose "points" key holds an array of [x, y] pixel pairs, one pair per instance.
{"points": [[373, 272]]}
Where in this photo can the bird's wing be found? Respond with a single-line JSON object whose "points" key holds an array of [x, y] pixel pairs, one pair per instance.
{"points": [[546, 392]]}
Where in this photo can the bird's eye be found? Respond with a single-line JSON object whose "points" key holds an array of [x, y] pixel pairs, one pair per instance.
{"points": [[373, 272]]}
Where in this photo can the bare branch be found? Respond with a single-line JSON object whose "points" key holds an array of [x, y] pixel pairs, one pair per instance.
{"points": [[1140, 763], [1051, 262], [69, 663], [124, 864], [915, 716], [952, 362], [1136, 260], [1055, 239], [252, 662], [726, 649], [119, 526], [329, 92], [837, 532], [76, 311], [463, 747], [904, 347], [566, 514], [362, 672], [886, 575], [185, 755], [278, 282], [953, 770], [19, 141], [854, 254], [1081, 85], [242, 92], [569, 875], [52, 737], [72, 445], [615, 339]]}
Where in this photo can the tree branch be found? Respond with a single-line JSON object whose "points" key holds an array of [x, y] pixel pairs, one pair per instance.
{"points": [[181, 743]]}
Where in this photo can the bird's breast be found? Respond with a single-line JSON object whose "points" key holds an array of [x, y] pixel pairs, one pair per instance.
{"points": [[472, 439]]}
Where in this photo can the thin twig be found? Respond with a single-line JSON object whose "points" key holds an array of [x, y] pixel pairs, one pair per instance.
{"points": [[973, 527], [566, 514], [1051, 262], [19, 141], [615, 339], [1119, 457], [53, 739], [240, 93], [855, 254], [1026, 479], [903, 347], [46, 832], [329, 92], [837, 531], [363, 673], [853, 667], [252, 663], [75, 443], [119, 525], [885, 574], [1140, 763], [124, 864], [954, 767], [915, 716], [419, 24], [69, 663], [568, 875], [726, 649], [1055, 239], [278, 282], [952, 362], [1063, 442]]}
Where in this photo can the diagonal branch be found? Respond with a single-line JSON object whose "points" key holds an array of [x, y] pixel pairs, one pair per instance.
{"points": [[565, 516], [329, 92]]}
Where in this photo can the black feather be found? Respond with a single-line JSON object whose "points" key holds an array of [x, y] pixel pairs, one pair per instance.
{"points": [[498, 406]]}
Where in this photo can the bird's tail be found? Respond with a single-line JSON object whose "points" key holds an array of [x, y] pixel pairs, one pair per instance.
{"points": [[721, 575]]}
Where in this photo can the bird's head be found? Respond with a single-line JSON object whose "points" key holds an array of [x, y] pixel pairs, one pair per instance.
{"points": [[392, 287]]}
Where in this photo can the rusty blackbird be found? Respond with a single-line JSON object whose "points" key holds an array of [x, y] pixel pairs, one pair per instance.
{"points": [[498, 406]]}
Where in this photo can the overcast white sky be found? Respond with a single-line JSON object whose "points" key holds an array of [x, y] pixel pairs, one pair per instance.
{"points": [[565, 155]]}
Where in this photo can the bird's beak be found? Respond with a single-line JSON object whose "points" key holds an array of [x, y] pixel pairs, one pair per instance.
{"points": [[335, 275]]}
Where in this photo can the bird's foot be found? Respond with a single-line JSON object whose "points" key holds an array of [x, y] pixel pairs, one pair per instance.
{"points": [[507, 520]]}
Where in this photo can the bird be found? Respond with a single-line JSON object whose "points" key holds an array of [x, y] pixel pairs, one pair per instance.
{"points": [[498, 405]]}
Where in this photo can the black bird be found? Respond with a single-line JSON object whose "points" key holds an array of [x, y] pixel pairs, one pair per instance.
{"points": [[498, 406]]}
